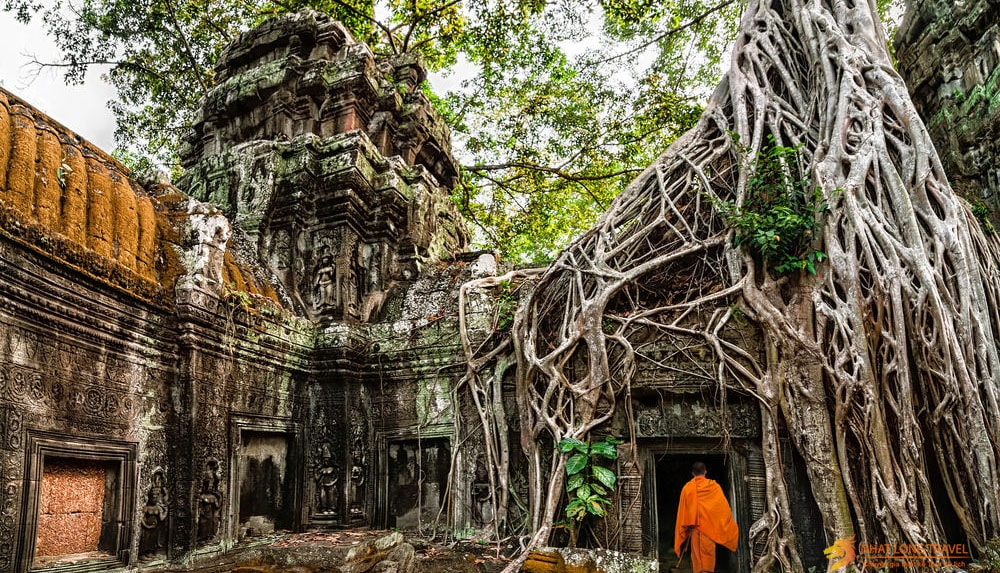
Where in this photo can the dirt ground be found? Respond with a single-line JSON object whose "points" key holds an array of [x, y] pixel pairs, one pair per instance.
{"points": [[322, 552]]}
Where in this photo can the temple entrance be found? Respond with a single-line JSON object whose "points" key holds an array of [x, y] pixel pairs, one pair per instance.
{"points": [[265, 502], [672, 472], [80, 503], [418, 475]]}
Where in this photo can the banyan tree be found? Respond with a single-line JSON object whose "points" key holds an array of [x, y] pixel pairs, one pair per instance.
{"points": [[809, 203]]}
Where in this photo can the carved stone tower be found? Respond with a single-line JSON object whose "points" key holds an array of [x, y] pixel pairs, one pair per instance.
{"points": [[331, 161]]}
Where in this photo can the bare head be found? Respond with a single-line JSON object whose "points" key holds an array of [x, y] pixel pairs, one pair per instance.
{"points": [[698, 469]]}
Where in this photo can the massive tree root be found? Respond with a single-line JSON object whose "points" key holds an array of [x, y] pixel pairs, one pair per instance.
{"points": [[882, 367]]}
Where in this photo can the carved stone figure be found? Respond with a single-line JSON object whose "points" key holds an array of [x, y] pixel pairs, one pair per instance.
{"points": [[371, 262], [154, 516], [327, 479], [357, 491], [325, 282], [209, 501]]}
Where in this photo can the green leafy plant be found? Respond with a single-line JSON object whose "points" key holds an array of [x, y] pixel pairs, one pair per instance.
{"points": [[989, 558], [61, 174], [778, 221], [982, 213], [588, 482], [506, 306]]}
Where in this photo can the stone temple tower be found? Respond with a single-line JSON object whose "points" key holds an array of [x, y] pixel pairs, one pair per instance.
{"points": [[330, 162]]}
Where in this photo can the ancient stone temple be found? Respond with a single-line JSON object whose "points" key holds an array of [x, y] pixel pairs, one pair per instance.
{"points": [[949, 54], [272, 344], [267, 346]]}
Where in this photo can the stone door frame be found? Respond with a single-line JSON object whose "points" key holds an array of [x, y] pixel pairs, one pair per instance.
{"points": [[123, 454], [737, 462], [380, 513], [292, 430]]}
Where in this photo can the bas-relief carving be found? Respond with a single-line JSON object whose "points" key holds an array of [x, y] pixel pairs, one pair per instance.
{"points": [[482, 495], [327, 484], [209, 501], [697, 419], [9, 513], [325, 282], [153, 537]]}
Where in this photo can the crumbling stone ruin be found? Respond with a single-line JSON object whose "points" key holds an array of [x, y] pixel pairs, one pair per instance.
{"points": [[269, 345], [949, 55], [272, 344]]}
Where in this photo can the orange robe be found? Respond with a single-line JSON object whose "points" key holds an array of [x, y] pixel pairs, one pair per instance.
{"points": [[705, 516]]}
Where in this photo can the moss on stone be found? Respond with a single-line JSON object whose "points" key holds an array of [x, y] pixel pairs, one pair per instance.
{"points": [[100, 212], [5, 127], [47, 189], [145, 259], [126, 221]]}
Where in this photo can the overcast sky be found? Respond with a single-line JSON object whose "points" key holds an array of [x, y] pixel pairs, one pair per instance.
{"points": [[81, 108]]}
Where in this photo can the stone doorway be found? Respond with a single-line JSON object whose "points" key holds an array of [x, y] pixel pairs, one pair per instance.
{"points": [[672, 472], [75, 498], [666, 467], [265, 490], [79, 496], [418, 476]]}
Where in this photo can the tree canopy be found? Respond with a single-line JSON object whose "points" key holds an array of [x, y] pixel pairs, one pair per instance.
{"points": [[562, 104]]}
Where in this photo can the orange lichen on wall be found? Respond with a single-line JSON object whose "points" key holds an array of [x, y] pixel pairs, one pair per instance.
{"points": [[4, 142], [100, 212], [48, 172], [21, 169], [55, 184], [74, 209], [239, 278], [126, 221], [145, 256]]}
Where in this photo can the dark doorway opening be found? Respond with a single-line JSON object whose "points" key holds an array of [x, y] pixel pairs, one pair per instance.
{"points": [[672, 472], [418, 475], [265, 490]]}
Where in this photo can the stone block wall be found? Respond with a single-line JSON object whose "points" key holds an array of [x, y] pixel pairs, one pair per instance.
{"points": [[949, 54]]}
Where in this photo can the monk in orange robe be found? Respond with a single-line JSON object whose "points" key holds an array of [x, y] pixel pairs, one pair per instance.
{"points": [[704, 516]]}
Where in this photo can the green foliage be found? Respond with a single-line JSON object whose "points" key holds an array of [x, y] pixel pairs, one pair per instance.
{"points": [[990, 557], [506, 306], [588, 483], [982, 214], [778, 221], [61, 174], [564, 103]]}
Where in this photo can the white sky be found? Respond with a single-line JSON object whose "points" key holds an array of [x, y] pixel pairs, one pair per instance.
{"points": [[81, 108]]}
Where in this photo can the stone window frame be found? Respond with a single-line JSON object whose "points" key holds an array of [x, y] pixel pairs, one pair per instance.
{"points": [[383, 438], [39, 444], [292, 429]]}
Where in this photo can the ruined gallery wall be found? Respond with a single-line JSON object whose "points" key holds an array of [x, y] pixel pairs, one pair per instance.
{"points": [[132, 342], [81, 365]]}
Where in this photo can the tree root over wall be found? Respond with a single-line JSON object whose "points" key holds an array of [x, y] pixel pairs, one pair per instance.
{"points": [[882, 367]]}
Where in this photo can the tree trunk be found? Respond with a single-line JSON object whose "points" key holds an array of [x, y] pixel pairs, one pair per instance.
{"points": [[882, 366]]}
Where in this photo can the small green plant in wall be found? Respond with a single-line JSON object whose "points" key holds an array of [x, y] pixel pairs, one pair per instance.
{"points": [[589, 482]]}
